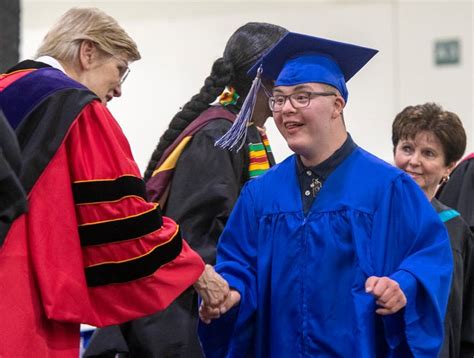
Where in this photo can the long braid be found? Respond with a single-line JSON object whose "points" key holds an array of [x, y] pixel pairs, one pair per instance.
{"points": [[242, 50], [221, 75]]}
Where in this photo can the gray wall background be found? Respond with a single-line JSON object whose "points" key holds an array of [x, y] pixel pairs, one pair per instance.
{"points": [[180, 39], [9, 33]]}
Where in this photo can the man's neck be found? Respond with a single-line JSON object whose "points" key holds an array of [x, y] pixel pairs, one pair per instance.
{"points": [[326, 148]]}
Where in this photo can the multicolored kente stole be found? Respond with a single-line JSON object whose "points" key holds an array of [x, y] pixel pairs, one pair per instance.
{"points": [[258, 147], [260, 156]]}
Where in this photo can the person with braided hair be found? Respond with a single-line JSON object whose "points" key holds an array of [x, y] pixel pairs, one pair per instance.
{"points": [[221, 75], [198, 184]]}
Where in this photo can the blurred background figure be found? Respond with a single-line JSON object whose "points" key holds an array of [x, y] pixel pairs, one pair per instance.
{"points": [[427, 143], [458, 191], [198, 184]]}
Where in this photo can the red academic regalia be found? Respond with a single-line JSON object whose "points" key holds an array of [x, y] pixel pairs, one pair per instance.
{"points": [[90, 249]]}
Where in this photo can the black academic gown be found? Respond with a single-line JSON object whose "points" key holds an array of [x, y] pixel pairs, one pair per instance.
{"points": [[205, 186], [204, 189], [458, 192], [459, 322]]}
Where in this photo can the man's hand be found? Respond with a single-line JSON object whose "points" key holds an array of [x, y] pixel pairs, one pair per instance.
{"points": [[212, 288], [388, 293], [208, 313]]}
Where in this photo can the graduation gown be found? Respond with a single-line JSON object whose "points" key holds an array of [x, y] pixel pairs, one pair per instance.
{"points": [[459, 321], [302, 278], [91, 249]]}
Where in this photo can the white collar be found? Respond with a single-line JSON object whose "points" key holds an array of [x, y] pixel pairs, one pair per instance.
{"points": [[52, 62]]}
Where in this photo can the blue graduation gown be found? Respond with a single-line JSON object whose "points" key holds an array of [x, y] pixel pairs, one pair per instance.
{"points": [[302, 278]]}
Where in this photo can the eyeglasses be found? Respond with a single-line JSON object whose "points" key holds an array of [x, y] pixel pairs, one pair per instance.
{"points": [[124, 75], [124, 70], [297, 99]]}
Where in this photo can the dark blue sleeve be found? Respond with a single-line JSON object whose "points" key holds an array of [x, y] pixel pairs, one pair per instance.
{"points": [[231, 335]]}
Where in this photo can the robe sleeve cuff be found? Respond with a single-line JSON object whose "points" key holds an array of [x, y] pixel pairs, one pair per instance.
{"points": [[407, 283], [229, 335], [395, 324]]}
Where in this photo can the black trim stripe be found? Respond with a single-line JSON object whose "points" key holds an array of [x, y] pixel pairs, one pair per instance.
{"points": [[26, 65], [120, 272], [122, 229], [108, 190]]}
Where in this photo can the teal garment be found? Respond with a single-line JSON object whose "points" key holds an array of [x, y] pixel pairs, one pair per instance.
{"points": [[302, 277], [447, 215]]}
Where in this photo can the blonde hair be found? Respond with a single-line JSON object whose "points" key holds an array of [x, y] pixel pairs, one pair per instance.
{"points": [[78, 24]]}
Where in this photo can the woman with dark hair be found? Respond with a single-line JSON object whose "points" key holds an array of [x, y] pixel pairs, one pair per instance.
{"points": [[197, 184], [428, 142]]}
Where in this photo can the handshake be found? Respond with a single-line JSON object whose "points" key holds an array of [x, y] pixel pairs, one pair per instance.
{"points": [[216, 297]]}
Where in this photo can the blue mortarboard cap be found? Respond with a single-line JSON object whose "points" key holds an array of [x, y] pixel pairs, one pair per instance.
{"points": [[299, 58]]}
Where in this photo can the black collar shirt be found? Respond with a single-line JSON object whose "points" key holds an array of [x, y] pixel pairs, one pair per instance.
{"points": [[312, 179]]}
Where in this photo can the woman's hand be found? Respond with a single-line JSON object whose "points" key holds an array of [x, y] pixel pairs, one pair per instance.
{"points": [[212, 288], [208, 313]]}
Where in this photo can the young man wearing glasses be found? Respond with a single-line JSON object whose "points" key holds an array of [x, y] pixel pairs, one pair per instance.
{"points": [[333, 252], [91, 248]]}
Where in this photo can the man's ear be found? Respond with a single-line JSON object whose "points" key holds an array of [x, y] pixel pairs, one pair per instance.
{"points": [[339, 105], [87, 53]]}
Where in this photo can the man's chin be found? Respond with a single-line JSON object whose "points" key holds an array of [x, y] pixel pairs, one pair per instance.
{"points": [[296, 148]]}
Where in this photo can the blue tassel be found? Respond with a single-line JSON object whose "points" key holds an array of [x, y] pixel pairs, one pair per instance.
{"points": [[235, 138]]}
